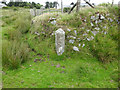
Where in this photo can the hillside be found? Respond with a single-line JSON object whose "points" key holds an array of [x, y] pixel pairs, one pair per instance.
{"points": [[30, 60]]}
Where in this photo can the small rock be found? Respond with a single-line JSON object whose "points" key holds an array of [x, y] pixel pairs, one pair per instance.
{"points": [[96, 22], [83, 28], [43, 32], [105, 27], [94, 32], [75, 32], [71, 41], [102, 17], [92, 24], [97, 28], [85, 34], [97, 16], [91, 38], [37, 33], [88, 30], [110, 20], [79, 45], [93, 18], [83, 45], [68, 30], [53, 22], [100, 21], [71, 37], [105, 33], [75, 48]]}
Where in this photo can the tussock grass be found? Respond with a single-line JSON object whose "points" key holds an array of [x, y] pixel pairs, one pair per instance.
{"points": [[15, 51], [14, 54]]}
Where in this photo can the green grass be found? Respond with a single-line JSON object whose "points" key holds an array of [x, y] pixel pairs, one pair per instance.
{"points": [[78, 73], [95, 66]]}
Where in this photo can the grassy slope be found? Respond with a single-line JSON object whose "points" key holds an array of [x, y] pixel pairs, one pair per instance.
{"points": [[72, 69]]}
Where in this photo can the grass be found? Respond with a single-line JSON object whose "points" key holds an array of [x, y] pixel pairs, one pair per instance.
{"points": [[95, 66]]}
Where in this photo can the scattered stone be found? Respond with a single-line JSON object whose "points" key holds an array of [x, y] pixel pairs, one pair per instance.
{"points": [[83, 45], [83, 28], [37, 33], [94, 32], [79, 45], [52, 19], [96, 22], [97, 28], [105, 27], [79, 39], [75, 32], [42, 32], [91, 38], [68, 30], [71, 37], [92, 24], [93, 18], [53, 22], [110, 20], [97, 16], [71, 41], [107, 14], [75, 48], [88, 30], [85, 34], [100, 21], [53, 33], [105, 33], [60, 41], [102, 17]]}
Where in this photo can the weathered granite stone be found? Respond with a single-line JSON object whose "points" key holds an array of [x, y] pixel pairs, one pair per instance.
{"points": [[38, 12], [60, 41], [33, 12], [119, 4]]}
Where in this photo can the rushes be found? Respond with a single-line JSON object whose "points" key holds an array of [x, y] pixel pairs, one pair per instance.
{"points": [[14, 54]]}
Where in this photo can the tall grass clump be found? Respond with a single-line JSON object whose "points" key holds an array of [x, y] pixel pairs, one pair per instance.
{"points": [[104, 48], [23, 23], [14, 53]]}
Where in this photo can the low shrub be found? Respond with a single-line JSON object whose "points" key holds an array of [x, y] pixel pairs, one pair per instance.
{"points": [[5, 8], [15, 9], [14, 54]]}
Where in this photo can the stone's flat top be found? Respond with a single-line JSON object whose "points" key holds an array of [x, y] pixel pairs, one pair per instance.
{"points": [[60, 31]]}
